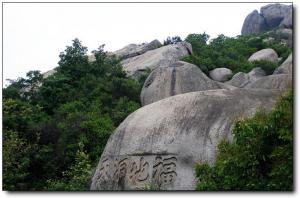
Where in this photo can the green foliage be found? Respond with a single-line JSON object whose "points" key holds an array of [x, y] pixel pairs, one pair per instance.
{"points": [[16, 161], [65, 119], [232, 53], [77, 177], [260, 157], [172, 40]]}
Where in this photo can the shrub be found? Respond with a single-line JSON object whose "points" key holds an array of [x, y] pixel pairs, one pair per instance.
{"points": [[260, 157]]}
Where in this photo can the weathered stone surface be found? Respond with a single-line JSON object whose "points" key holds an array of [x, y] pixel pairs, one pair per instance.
{"points": [[274, 14], [256, 73], [152, 59], [220, 74], [287, 22], [241, 79], [271, 16], [285, 35], [177, 78], [159, 144], [280, 81], [264, 54], [49, 73], [132, 50], [254, 23], [286, 67]]}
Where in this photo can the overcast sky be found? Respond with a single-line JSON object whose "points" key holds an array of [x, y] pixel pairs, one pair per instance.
{"points": [[35, 34]]}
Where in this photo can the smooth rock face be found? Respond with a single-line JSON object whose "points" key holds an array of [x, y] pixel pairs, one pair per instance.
{"points": [[241, 79], [286, 67], [254, 23], [220, 74], [287, 22], [264, 54], [152, 59], [274, 14], [177, 78], [159, 144], [132, 50], [280, 81]]}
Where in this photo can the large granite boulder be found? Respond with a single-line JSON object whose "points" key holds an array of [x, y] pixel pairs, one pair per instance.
{"points": [[220, 74], [157, 146], [254, 23], [286, 67], [274, 14], [271, 16], [241, 79], [152, 59], [177, 78], [132, 50], [280, 81], [264, 54], [287, 22]]}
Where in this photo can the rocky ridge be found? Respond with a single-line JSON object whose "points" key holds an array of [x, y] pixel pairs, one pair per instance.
{"points": [[186, 113]]}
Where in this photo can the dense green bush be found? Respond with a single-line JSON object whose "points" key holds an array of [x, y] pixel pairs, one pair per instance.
{"points": [[65, 121], [260, 157]]}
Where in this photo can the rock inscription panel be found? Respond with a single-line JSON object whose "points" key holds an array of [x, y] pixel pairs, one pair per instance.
{"points": [[149, 172]]}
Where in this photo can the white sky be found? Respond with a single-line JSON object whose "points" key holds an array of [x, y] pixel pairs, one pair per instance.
{"points": [[35, 34]]}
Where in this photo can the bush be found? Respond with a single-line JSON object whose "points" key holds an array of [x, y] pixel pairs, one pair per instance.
{"points": [[231, 53], [260, 157]]}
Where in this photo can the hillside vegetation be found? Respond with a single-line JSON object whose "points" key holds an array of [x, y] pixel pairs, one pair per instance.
{"points": [[261, 156], [232, 52], [54, 133]]}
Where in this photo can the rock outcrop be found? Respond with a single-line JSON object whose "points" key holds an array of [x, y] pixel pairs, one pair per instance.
{"points": [[264, 54], [241, 79], [49, 73], [132, 50], [254, 24], [275, 14], [286, 67], [152, 59], [271, 16], [287, 22], [158, 145], [279, 82], [177, 78], [220, 74]]}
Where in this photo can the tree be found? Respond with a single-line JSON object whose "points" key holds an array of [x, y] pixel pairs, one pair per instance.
{"points": [[73, 60], [16, 161], [173, 40]]}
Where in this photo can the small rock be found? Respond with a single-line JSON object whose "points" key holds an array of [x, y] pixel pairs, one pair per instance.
{"points": [[220, 74]]}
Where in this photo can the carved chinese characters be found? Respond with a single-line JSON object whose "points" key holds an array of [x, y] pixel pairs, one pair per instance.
{"points": [[137, 172]]}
